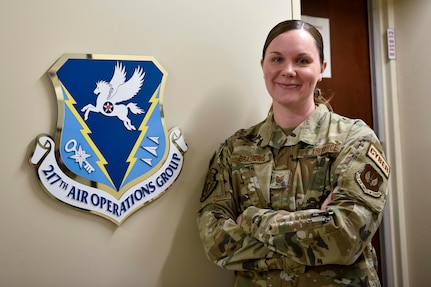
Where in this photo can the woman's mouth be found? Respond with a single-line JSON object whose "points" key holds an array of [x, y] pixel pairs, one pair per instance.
{"points": [[288, 85]]}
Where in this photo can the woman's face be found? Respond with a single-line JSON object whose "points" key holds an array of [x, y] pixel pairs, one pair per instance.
{"points": [[291, 69]]}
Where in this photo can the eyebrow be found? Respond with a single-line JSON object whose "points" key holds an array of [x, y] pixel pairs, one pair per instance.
{"points": [[305, 54], [275, 52], [300, 54]]}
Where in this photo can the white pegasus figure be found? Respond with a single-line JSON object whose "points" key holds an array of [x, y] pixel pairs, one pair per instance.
{"points": [[110, 95]]}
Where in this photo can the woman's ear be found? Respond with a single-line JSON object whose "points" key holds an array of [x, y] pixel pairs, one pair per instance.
{"points": [[323, 67]]}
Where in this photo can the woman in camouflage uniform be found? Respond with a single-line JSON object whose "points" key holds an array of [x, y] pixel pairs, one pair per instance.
{"points": [[296, 199]]}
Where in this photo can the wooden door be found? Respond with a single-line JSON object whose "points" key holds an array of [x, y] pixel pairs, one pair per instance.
{"points": [[350, 83]]}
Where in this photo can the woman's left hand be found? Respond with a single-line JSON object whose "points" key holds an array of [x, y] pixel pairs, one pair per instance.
{"points": [[238, 219]]}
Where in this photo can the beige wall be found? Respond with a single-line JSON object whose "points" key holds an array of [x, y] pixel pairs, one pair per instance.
{"points": [[211, 51], [413, 22]]}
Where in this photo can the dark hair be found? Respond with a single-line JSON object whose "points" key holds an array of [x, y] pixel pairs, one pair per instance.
{"points": [[289, 25]]}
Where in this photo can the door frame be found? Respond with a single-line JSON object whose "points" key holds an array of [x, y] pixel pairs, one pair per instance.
{"points": [[386, 115]]}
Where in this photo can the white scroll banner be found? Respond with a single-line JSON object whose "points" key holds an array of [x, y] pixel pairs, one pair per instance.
{"points": [[97, 201]]}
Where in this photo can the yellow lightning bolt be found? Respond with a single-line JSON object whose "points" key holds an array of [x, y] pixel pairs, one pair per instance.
{"points": [[70, 102], [154, 100]]}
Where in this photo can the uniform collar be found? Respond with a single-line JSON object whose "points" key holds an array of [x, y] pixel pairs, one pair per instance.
{"points": [[308, 131]]}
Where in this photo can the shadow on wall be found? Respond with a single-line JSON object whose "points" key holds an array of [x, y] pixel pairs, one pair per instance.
{"points": [[186, 264]]}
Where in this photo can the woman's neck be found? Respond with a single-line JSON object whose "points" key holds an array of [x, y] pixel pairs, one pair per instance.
{"points": [[287, 117]]}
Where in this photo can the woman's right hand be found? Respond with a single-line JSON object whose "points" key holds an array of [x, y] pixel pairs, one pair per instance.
{"points": [[326, 202]]}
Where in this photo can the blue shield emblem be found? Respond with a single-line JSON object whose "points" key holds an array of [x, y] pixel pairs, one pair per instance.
{"points": [[111, 153]]}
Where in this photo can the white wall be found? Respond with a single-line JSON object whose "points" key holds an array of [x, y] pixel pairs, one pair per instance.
{"points": [[211, 51], [412, 23]]}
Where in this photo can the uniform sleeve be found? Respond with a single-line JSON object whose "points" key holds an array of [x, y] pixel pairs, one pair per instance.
{"points": [[224, 241], [339, 234]]}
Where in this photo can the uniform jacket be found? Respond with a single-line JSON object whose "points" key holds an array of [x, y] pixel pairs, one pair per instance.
{"points": [[278, 182]]}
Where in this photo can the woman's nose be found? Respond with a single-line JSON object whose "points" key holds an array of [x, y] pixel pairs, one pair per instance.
{"points": [[288, 70]]}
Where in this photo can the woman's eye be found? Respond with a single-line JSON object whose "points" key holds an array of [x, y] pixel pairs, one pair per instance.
{"points": [[302, 61], [277, 59]]}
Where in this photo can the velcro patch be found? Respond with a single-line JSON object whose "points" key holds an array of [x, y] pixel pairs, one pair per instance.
{"points": [[280, 179], [370, 181], [210, 184], [254, 158], [379, 159], [318, 150]]}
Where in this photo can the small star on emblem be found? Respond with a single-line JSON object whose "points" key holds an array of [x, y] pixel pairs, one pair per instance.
{"points": [[108, 107], [80, 156]]}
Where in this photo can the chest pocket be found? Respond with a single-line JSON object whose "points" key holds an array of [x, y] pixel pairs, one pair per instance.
{"points": [[317, 181], [251, 172]]}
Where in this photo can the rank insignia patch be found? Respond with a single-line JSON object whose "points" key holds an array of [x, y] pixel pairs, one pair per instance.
{"points": [[111, 153]]}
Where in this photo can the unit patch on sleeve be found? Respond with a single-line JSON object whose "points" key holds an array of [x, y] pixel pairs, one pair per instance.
{"points": [[370, 181], [210, 184]]}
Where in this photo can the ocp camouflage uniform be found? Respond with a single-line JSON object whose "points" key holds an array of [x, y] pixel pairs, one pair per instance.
{"points": [[279, 182]]}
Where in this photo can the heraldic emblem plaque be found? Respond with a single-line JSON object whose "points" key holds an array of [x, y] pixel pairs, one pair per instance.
{"points": [[111, 153]]}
